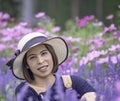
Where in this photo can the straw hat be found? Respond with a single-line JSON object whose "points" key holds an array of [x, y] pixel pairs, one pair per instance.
{"points": [[32, 39]]}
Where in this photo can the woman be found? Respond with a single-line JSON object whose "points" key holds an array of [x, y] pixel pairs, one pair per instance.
{"points": [[36, 62]]}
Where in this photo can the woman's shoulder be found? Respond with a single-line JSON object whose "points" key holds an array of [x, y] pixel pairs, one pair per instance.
{"points": [[21, 87], [73, 80], [77, 79], [79, 82], [24, 91]]}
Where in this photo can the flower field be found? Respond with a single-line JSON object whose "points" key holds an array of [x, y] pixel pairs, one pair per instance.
{"points": [[94, 54]]}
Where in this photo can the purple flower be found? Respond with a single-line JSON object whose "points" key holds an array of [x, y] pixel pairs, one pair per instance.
{"points": [[71, 95], [117, 86], [22, 93], [2, 63], [59, 91]]}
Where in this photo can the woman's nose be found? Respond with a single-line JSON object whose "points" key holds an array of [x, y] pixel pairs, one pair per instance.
{"points": [[40, 59]]}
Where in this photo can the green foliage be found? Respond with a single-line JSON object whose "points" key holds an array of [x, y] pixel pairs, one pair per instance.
{"points": [[72, 29]]}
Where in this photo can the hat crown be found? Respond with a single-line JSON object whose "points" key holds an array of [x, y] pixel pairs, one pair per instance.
{"points": [[29, 37]]}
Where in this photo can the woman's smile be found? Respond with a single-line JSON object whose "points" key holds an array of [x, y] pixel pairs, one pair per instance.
{"points": [[43, 68], [40, 61]]}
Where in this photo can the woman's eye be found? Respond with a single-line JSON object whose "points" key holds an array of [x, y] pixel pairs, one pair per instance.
{"points": [[32, 57], [44, 53]]}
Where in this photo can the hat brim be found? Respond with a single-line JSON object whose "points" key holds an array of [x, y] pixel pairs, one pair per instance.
{"points": [[59, 45]]}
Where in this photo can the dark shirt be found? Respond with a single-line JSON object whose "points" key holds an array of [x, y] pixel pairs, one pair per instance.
{"points": [[78, 84]]}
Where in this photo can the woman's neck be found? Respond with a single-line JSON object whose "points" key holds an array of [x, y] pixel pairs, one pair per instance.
{"points": [[44, 82]]}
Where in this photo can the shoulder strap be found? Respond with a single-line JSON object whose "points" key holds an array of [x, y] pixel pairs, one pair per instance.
{"points": [[67, 81]]}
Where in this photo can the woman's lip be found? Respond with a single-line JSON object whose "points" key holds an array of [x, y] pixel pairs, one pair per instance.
{"points": [[42, 67]]}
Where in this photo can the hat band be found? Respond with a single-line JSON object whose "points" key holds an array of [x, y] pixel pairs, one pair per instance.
{"points": [[33, 41]]}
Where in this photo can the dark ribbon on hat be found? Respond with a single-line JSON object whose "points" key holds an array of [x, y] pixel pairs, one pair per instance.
{"points": [[34, 41], [11, 61]]}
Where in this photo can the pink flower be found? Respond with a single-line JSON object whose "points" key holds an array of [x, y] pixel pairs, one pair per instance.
{"points": [[2, 47], [88, 18], [98, 42], [4, 39], [114, 48], [81, 22], [3, 24], [117, 99], [103, 60], [118, 6], [92, 48], [112, 27], [114, 59], [23, 24], [40, 15], [40, 29], [116, 34], [105, 30], [109, 17], [56, 29], [98, 23], [4, 16]]}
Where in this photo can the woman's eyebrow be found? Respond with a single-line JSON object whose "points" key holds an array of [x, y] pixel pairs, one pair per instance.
{"points": [[30, 55], [43, 50], [35, 54]]}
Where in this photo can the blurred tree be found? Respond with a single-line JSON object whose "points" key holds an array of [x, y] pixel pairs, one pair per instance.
{"points": [[27, 11], [99, 9], [52, 7], [75, 8], [61, 10], [10, 6], [109, 7]]}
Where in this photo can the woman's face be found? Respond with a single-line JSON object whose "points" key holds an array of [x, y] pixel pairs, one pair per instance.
{"points": [[40, 61]]}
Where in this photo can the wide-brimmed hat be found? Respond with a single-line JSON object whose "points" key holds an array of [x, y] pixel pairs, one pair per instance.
{"points": [[32, 39]]}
